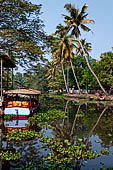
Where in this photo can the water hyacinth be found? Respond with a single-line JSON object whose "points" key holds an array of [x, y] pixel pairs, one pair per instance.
{"points": [[20, 135], [9, 155]]}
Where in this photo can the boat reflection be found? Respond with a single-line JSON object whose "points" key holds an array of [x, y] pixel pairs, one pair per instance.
{"points": [[19, 124]]}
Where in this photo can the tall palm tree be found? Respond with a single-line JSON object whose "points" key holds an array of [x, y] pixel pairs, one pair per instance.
{"points": [[70, 55], [57, 51], [63, 50], [74, 22]]}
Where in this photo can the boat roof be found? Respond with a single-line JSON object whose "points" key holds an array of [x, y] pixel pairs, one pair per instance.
{"points": [[23, 91]]}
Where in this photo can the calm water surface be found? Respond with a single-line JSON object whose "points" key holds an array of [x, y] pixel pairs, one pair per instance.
{"points": [[91, 122]]}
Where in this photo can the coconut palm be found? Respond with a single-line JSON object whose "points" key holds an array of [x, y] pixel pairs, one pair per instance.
{"points": [[69, 55], [57, 51], [87, 47], [74, 22], [62, 50]]}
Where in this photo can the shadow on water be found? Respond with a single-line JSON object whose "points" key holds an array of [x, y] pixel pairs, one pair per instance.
{"points": [[93, 123]]}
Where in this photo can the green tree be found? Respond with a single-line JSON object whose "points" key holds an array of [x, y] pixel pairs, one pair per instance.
{"points": [[36, 77], [75, 20], [105, 66], [18, 80], [21, 31]]}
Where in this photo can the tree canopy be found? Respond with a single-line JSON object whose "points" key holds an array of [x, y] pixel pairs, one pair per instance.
{"points": [[21, 31]]}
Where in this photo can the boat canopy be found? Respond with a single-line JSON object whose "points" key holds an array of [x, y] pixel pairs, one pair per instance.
{"points": [[23, 91]]}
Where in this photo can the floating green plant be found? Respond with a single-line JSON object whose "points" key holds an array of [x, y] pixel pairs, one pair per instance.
{"points": [[20, 135], [9, 155], [44, 166], [66, 152], [47, 116]]}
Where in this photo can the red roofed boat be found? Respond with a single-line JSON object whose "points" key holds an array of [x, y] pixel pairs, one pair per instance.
{"points": [[21, 102]]}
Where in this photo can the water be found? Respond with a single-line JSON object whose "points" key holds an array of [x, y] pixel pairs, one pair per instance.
{"points": [[91, 122]]}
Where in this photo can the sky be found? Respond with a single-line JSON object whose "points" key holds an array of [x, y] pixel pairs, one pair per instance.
{"points": [[101, 11]]}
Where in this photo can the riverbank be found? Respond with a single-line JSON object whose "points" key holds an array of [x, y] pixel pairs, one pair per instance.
{"points": [[90, 97], [84, 98]]}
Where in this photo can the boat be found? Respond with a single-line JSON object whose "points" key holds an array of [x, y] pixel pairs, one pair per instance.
{"points": [[21, 102]]}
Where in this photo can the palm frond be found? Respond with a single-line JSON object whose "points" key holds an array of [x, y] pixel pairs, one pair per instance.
{"points": [[68, 7], [87, 21], [85, 28], [83, 9], [66, 17]]}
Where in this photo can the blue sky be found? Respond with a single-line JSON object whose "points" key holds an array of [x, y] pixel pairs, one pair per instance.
{"points": [[100, 11]]}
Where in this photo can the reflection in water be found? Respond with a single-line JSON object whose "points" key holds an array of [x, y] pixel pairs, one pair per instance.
{"points": [[86, 121], [95, 125], [91, 122], [16, 124], [74, 121]]}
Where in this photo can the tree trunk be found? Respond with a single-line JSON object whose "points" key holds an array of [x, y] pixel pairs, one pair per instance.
{"points": [[64, 78], [68, 77], [91, 68], [75, 76]]}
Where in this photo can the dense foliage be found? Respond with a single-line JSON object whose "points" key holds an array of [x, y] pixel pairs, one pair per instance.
{"points": [[21, 31]]}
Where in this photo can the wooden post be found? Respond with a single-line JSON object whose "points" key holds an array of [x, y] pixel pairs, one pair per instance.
{"points": [[1, 76], [7, 77]]}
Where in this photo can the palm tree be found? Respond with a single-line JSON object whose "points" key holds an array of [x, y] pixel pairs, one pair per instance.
{"points": [[57, 51], [70, 55], [62, 50], [74, 22], [87, 47]]}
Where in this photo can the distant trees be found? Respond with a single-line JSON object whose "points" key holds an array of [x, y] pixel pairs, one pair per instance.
{"points": [[34, 78], [37, 77], [105, 69]]}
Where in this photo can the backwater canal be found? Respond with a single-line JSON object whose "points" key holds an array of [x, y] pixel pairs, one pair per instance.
{"points": [[61, 124]]}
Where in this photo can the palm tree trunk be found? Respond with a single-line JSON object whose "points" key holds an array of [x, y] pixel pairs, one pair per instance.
{"points": [[91, 68], [68, 77], [64, 78], [75, 76]]}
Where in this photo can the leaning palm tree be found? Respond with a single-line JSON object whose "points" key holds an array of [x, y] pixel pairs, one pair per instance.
{"points": [[74, 22]]}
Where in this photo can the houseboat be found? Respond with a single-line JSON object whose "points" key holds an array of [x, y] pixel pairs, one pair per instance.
{"points": [[21, 102]]}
